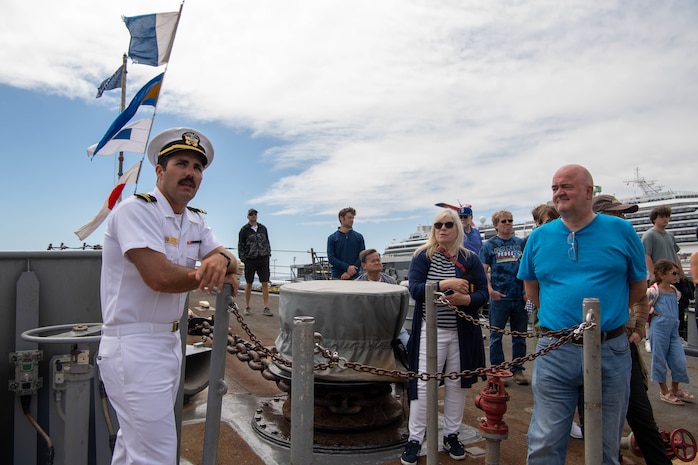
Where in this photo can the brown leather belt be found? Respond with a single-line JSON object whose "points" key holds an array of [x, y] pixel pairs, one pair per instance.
{"points": [[605, 335]]}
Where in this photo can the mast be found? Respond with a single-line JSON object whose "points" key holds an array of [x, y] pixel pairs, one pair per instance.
{"points": [[123, 106], [647, 186]]}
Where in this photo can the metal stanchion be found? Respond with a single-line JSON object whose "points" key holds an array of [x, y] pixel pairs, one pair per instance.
{"points": [[593, 419], [432, 386], [302, 390], [217, 387]]}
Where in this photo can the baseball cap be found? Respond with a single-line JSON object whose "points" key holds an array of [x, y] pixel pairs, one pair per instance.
{"points": [[608, 203], [251, 211], [177, 140], [465, 211]]}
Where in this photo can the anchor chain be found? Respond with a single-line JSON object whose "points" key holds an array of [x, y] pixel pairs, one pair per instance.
{"points": [[259, 356], [440, 298]]}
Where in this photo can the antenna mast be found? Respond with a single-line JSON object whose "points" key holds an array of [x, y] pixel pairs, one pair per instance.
{"points": [[647, 186], [123, 105]]}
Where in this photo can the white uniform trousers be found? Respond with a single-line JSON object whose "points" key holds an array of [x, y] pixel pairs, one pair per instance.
{"points": [[141, 374]]}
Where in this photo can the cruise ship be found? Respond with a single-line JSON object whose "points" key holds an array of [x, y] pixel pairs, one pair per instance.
{"points": [[683, 225], [684, 215], [397, 256]]}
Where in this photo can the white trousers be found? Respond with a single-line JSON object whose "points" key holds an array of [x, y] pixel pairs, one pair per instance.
{"points": [[448, 359], [141, 374]]}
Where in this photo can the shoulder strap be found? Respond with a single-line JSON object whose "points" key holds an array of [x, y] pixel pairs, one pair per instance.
{"points": [[653, 294], [677, 292], [450, 257], [147, 197], [196, 210]]}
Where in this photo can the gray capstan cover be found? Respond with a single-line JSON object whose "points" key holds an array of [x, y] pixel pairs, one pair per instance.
{"points": [[357, 319]]}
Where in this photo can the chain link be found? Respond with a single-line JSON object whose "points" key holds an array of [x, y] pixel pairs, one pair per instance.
{"points": [[335, 361], [440, 298]]}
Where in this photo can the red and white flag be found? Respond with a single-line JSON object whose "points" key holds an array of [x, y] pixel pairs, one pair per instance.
{"points": [[129, 177]]}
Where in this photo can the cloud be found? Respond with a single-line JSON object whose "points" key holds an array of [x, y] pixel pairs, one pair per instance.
{"points": [[395, 105]]}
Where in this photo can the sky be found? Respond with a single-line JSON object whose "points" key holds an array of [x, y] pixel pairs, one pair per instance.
{"points": [[315, 105]]}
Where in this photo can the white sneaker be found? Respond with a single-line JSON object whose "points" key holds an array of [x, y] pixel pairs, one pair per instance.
{"points": [[684, 342], [576, 431], [648, 349]]}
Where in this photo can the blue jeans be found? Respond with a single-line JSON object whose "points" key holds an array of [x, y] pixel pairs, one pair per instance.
{"points": [[557, 379], [515, 312]]}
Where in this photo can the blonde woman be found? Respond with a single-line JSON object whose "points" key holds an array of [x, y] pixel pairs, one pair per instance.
{"points": [[459, 273]]}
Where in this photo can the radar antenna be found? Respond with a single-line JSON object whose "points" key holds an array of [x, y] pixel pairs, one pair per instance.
{"points": [[647, 186]]}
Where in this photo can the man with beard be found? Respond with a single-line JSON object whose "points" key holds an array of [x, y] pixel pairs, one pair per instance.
{"points": [[344, 246], [151, 246]]}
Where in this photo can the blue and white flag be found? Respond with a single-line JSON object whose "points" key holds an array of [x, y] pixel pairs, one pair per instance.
{"points": [[151, 37], [113, 82], [132, 138], [148, 95]]}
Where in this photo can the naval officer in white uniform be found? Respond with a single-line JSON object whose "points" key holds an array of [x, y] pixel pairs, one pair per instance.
{"points": [[151, 245]]}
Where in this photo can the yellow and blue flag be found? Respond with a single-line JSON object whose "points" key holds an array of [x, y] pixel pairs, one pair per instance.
{"points": [[148, 95]]}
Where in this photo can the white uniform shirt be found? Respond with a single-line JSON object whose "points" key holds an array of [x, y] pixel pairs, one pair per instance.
{"points": [[135, 224]]}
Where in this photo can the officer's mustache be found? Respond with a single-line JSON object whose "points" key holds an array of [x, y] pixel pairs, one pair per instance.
{"points": [[188, 180]]}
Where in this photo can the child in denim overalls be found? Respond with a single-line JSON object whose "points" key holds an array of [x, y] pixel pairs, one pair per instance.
{"points": [[667, 350]]}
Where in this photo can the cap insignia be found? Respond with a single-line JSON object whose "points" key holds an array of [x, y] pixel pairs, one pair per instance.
{"points": [[192, 139]]}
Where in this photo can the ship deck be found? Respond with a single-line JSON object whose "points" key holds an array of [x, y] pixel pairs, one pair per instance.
{"points": [[239, 444]]}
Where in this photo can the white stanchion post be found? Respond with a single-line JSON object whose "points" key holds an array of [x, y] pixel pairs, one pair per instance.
{"points": [[593, 419]]}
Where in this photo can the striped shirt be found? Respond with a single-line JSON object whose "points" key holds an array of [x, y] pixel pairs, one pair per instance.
{"points": [[442, 268]]}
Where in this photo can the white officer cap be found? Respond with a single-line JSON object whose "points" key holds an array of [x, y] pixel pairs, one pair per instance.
{"points": [[179, 139]]}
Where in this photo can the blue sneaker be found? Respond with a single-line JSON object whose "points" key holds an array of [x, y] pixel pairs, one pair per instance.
{"points": [[454, 447], [411, 453]]}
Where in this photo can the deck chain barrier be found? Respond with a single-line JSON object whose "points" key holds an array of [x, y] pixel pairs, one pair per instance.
{"points": [[259, 357]]}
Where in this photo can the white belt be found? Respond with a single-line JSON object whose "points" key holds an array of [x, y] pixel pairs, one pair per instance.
{"points": [[140, 328]]}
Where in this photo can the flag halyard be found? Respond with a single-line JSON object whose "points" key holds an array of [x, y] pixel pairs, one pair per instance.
{"points": [[152, 37]]}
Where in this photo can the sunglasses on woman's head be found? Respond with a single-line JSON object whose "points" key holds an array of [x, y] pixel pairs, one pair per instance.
{"points": [[439, 224]]}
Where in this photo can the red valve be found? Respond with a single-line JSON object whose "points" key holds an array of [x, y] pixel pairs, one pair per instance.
{"points": [[679, 443], [683, 445], [493, 401]]}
